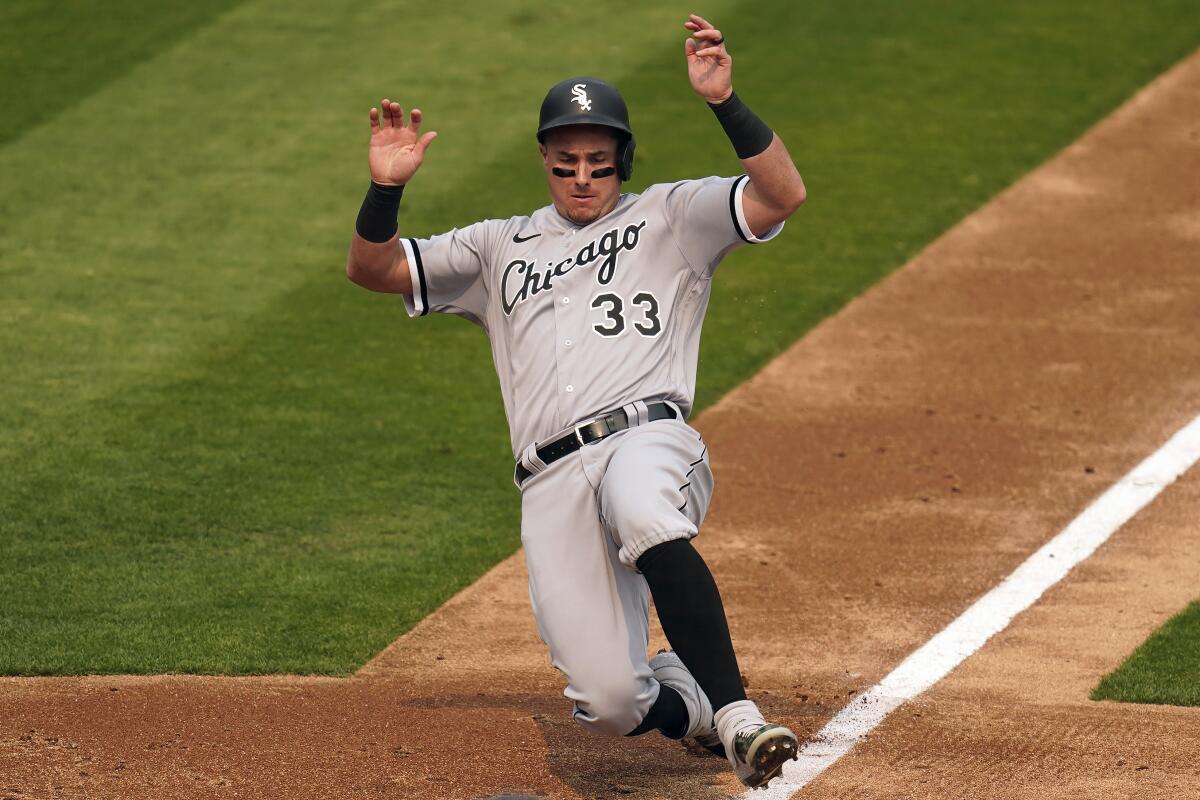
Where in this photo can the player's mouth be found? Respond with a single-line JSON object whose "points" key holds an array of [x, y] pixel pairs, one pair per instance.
{"points": [[583, 198]]}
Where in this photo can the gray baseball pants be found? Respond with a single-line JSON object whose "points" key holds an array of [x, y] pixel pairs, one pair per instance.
{"points": [[585, 520]]}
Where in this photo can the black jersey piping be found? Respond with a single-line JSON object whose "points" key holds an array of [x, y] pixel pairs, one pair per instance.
{"points": [[420, 277], [685, 497], [733, 207]]}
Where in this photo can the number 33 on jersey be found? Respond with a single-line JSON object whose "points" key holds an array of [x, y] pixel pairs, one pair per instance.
{"points": [[585, 318]]}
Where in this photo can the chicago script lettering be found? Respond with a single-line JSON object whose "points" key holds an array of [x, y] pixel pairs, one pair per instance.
{"points": [[523, 279]]}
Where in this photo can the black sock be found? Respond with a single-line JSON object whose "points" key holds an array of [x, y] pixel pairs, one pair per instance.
{"points": [[692, 617], [668, 714]]}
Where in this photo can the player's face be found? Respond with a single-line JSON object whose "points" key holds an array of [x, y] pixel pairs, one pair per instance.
{"points": [[573, 158]]}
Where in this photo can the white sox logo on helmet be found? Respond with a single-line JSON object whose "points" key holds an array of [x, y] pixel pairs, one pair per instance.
{"points": [[579, 95]]}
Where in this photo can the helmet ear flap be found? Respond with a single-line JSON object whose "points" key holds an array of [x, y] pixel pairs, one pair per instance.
{"points": [[625, 158]]}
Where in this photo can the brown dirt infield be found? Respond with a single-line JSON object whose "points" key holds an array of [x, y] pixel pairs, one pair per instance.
{"points": [[872, 482]]}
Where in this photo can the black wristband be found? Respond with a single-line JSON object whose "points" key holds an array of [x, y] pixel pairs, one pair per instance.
{"points": [[749, 134], [377, 217]]}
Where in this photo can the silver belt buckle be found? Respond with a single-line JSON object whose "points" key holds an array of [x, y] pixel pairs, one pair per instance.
{"points": [[605, 430]]}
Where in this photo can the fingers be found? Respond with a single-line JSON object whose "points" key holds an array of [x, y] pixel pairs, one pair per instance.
{"points": [[693, 50], [707, 41], [423, 143], [708, 35], [391, 115]]}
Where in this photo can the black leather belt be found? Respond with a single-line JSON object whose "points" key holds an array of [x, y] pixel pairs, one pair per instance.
{"points": [[593, 431]]}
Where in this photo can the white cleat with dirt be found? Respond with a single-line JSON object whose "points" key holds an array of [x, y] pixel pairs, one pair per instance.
{"points": [[758, 754]]}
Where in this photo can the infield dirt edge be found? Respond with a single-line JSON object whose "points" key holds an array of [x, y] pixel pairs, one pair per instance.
{"points": [[863, 404]]}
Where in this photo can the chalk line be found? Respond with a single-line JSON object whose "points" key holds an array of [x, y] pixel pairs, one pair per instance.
{"points": [[991, 613]]}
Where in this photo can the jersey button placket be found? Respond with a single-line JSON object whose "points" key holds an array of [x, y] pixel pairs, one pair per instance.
{"points": [[566, 314], [564, 322]]}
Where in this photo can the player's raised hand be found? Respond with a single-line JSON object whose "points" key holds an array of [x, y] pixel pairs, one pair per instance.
{"points": [[397, 150], [710, 67]]}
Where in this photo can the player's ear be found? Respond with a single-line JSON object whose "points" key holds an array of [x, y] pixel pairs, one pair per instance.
{"points": [[542, 149]]}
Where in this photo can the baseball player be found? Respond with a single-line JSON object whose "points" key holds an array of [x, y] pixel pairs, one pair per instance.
{"points": [[593, 306]]}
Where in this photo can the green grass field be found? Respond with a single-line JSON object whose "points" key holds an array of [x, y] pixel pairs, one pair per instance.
{"points": [[221, 457], [1165, 669]]}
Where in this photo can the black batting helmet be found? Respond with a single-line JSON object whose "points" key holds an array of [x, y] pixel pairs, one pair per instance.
{"points": [[589, 101]]}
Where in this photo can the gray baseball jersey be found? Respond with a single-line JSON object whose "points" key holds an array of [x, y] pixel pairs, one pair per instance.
{"points": [[584, 319]]}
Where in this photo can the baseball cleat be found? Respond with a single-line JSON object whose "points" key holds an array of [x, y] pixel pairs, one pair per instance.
{"points": [[759, 754], [711, 742], [669, 670]]}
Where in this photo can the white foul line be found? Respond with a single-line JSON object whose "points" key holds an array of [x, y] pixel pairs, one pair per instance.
{"points": [[992, 612]]}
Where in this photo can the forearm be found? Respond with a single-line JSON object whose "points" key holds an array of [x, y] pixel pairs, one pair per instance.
{"points": [[764, 156], [376, 261], [774, 177], [378, 266]]}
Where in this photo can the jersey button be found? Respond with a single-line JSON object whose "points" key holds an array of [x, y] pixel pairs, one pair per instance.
{"points": [[566, 301], [570, 388], [567, 342]]}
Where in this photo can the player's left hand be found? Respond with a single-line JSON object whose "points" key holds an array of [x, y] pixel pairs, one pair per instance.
{"points": [[710, 67]]}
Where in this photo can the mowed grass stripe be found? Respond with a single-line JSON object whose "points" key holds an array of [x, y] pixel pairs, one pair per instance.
{"points": [[217, 177], [230, 460], [904, 118], [52, 55]]}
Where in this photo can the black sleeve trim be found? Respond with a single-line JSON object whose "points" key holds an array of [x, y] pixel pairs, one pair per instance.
{"points": [[733, 208], [420, 277]]}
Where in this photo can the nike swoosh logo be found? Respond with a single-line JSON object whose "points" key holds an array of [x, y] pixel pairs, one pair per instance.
{"points": [[517, 237]]}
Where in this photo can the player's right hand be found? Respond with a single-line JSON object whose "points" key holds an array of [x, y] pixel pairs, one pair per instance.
{"points": [[396, 152]]}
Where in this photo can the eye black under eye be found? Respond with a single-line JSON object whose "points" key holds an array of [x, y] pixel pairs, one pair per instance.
{"points": [[597, 174]]}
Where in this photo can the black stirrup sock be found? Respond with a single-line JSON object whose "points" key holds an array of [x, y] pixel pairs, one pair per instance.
{"points": [[693, 618], [668, 714]]}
